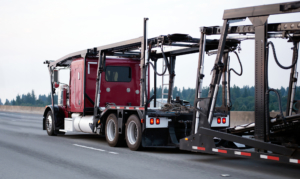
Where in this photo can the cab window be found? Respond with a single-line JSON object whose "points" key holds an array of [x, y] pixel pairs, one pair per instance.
{"points": [[118, 74]]}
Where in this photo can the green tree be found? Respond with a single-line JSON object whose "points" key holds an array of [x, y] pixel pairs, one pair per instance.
{"points": [[246, 91], [175, 92], [7, 102], [13, 102], [33, 98], [18, 100]]}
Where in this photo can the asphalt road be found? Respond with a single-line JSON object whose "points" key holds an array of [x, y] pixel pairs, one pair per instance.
{"points": [[26, 151]]}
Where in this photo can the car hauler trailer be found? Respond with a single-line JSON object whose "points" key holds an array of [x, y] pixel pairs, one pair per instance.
{"points": [[108, 93], [268, 138]]}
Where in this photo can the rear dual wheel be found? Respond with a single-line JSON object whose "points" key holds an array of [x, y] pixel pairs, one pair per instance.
{"points": [[113, 138], [133, 133]]}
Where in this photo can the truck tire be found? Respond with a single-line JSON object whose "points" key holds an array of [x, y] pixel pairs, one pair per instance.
{"points": [[49, 124], [113, 138], [133, 133]]}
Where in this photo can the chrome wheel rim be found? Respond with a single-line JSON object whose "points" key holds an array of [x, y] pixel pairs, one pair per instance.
{"points": [[49, 123], [132, 133], [111, 130]]}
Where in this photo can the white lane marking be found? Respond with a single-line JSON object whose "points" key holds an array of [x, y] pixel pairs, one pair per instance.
{"points": [[92, 148], [113, 152]]}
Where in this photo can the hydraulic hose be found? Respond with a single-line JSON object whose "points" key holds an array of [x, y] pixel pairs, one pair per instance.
{"points": [[148, 62], [166, 62], [276, 60], [295, 59], [281, 66], [279, 101], [239, 74]]}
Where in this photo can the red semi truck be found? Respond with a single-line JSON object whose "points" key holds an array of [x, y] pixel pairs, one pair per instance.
{"points": [[109, 93]]}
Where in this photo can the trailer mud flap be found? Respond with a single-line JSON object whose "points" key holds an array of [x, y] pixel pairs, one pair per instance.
{"points": [[155, 137], [197, 142], [172, 134]]}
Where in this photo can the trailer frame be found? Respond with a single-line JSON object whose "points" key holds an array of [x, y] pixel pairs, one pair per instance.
{"points": [[202, 137]]}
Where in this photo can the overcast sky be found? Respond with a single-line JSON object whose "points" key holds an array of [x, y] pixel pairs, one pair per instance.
{"points": [[33, 31]]}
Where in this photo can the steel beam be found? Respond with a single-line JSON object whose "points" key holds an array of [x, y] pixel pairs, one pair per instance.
{"points": [[134, 43], [214, 85], [247, 141], [155, 81], [280, 8], [171, 77], [292, 82], [243, 29], [261, 30], [199, 80], [224, 78]]}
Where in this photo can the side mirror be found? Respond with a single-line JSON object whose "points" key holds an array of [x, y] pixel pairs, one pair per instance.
{"points": [[55, 76]]}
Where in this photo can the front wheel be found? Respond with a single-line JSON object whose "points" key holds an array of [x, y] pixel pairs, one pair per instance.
{"points": [[133, 133], [50, 124]]}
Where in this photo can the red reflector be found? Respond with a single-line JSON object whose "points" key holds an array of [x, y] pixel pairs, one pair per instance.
{"points": [[56, 85], [142, 121], [246, 154], [222, 151], [157, 121], [219, 120], [201, 148], [273, 158], [224, 120], [151, 121]]}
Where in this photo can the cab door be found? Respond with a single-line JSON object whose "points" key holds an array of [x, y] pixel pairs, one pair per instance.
{"points": [[120, 83]]}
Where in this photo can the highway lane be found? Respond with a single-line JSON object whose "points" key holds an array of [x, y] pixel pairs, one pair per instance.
{"points": [[26, 151]]}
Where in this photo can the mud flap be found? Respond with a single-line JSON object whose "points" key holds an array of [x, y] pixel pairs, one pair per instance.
{"points": [[173, 134], [197, 143]]}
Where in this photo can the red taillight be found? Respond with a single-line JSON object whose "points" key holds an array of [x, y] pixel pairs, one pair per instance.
{"points": [[157, 121], [224, 120], [142, 121], [151, 121], [219, 120]]}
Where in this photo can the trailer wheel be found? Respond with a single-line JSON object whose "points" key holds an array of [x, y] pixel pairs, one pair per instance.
{"points": [[49, 124], [112, 135], [133, 133]]}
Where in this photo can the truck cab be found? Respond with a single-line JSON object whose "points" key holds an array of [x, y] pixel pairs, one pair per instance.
{"points": [[119, 83]]}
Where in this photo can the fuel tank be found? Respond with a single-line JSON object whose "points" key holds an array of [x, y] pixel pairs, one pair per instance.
{"points": [[82, 123]]}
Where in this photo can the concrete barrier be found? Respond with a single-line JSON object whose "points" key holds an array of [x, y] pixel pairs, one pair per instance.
{"points": [[245, 117], [236, 117], [22, 109], [241, 117]]}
